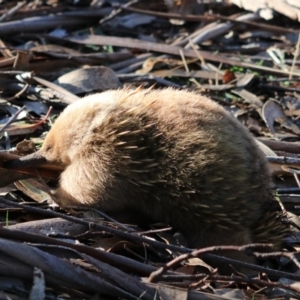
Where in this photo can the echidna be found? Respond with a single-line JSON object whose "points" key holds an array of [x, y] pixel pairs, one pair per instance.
{"points": [[165, 155]]}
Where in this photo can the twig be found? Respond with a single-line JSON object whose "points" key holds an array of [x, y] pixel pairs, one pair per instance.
{"points": [[12, 119], [153, 243], [233, 278], [290, 255], [114, 259], [12, 11], [210, 17], [23, 90], [99, 212], [157, 274], [281, 145], [169, 49], [117, 11], [283, 160]]}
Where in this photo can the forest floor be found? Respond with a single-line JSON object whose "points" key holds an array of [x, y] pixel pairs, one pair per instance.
{"points": [[54, 52]]}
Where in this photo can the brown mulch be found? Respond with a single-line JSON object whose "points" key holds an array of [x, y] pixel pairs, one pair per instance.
{"points": [[53, 52]]}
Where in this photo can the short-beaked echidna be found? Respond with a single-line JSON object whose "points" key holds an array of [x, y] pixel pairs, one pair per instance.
{"points": [[165, 155]]}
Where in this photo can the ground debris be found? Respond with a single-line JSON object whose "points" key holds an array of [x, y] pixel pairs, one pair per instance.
{"points": [[246, 61]]}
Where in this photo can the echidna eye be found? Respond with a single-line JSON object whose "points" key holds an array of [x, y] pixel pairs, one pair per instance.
{"points": [[48, 148]]}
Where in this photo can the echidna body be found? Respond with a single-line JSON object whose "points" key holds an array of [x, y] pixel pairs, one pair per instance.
{"points": [[169, 156]]}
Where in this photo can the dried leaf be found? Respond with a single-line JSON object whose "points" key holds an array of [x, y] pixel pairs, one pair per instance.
{"points": [[92, 79], [244, 80], [230, 293], [172, 293], [249, 97], [271, 112], [33, 189]]}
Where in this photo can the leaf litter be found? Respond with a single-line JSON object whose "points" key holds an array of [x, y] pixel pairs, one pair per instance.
{"points": [[54, 52]]}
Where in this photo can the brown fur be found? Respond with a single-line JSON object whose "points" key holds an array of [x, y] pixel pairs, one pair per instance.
{"points": [[165, 155]]}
